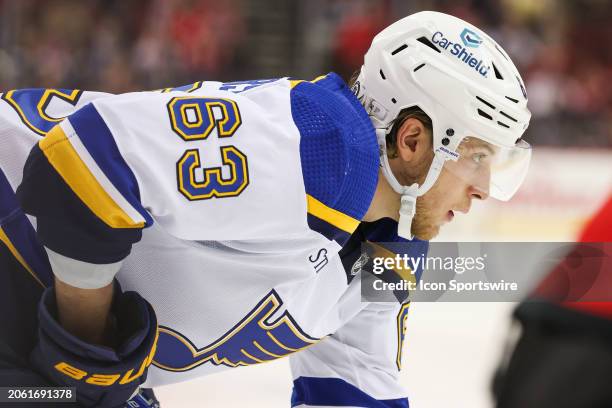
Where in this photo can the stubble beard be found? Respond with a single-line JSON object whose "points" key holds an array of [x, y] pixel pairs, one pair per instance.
{"points": [[424, 224]]}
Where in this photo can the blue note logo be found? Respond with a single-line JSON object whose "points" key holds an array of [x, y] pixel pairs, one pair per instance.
{"points": [[261, 336], [470, 38]]}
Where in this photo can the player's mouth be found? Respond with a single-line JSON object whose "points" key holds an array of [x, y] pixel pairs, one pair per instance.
{"points": [[450, 215]]}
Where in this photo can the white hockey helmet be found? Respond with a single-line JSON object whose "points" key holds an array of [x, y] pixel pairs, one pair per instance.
{"points": [[464, 81]]}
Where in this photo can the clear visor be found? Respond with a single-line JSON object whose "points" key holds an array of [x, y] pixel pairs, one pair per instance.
{"points": [[491, 170]]}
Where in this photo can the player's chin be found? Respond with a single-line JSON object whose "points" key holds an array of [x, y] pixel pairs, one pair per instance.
{"points": [[426, 232]]}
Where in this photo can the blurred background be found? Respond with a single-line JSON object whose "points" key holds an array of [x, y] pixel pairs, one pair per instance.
{"points": [[561, 47]]}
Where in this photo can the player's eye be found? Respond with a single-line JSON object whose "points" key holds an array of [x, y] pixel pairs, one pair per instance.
{"points": [[479, 157]]}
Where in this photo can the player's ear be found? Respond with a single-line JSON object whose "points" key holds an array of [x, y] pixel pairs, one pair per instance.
{"points": [[413, 141]]}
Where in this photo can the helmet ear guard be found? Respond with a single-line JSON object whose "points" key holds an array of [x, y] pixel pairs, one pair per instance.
{"points": [[460, 78], [409, 194]]}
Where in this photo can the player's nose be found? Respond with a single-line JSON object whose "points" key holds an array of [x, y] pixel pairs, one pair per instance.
{"points": [[479, 189], [478, 193]]}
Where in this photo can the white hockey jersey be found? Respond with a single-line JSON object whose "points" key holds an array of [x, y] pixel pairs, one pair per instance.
{"points": [[227, 206]]}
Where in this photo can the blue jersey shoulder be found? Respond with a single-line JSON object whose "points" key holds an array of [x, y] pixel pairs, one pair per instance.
{"points": [[339, 154]]}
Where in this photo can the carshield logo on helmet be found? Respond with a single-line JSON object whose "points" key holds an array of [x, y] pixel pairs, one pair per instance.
{"points": [[470, 38], [461, 52]]}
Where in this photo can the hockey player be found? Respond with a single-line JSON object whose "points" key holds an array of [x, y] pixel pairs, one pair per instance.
{"points": [[225, 206]]}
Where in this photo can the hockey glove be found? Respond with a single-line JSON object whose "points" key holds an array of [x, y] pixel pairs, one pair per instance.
{"points": [[103, 377]]}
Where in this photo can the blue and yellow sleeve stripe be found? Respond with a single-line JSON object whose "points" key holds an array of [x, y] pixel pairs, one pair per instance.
{"points": [[68, 155], [83, 193], [333, 224], [330, 215]]}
